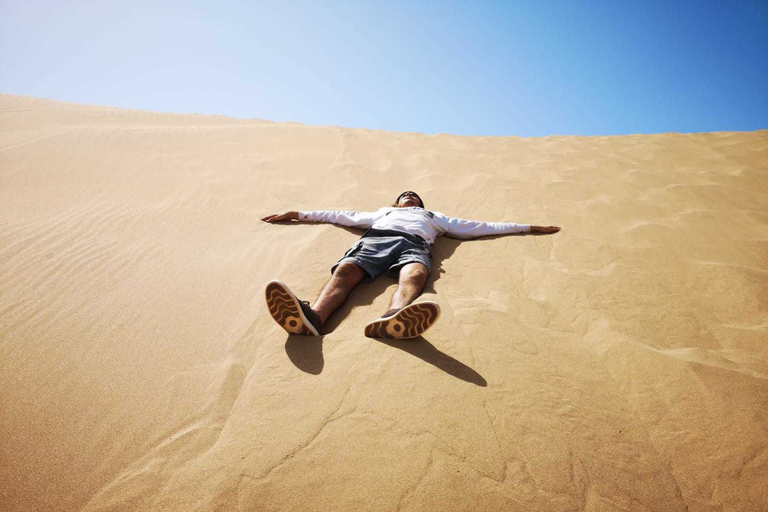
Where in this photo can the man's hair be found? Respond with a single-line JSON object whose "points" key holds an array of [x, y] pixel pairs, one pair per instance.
{"points": [[397, 201]]}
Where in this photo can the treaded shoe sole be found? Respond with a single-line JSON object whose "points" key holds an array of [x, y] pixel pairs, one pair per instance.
{"points": [[411, 321], [286, 310]]}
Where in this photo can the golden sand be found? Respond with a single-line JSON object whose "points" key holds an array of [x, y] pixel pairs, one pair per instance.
{"points": [[621, 364]]}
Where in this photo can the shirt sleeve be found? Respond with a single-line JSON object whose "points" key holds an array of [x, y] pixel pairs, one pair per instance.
{"points": [[467, 229], [342, 217]]}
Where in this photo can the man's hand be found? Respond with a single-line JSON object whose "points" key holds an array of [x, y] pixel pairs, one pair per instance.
{"points": [[544, 229], [279, 217]]}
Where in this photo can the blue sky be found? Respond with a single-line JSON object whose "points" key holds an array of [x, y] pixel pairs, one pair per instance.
{"points": [[470, 68]]}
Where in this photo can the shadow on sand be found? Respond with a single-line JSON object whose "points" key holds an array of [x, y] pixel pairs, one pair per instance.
{"points": [[306, 353], [424, 350]]}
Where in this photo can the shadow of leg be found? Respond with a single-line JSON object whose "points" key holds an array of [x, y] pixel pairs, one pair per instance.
{"points": [[306, 353], [424, 350]]}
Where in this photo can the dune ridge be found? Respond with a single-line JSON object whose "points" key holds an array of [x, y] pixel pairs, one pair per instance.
{"points": [[620, 364]]}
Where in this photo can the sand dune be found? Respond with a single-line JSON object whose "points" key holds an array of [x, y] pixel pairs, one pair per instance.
{"points": [[620, 364]]}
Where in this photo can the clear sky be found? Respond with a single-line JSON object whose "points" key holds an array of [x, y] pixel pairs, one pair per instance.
{"points": [[471, 68]]}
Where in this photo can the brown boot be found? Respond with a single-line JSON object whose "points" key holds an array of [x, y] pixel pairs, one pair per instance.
{"points": [[409, 322], [292, 314]]}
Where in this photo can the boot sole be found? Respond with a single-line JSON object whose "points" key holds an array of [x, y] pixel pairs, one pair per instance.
{"points": [[286, 310], [410, 322]]}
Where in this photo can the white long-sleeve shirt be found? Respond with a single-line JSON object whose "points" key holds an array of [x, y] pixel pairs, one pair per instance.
{"points": [[417, 221]]}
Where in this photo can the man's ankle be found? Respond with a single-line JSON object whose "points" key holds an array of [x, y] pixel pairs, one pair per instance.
{"points": [[312, 315], [391, 312], [318, 317]]}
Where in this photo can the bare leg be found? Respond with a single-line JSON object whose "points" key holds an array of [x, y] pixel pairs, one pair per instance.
{"points": [[413, 277], [345, 277], [401, 322]]}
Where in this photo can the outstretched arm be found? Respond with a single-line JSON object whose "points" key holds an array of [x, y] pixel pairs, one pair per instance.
{"points": [[468, 229], [338, 217]]}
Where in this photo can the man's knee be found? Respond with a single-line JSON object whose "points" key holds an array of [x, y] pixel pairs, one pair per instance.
{"points": [[415, 272], [349, 271]]}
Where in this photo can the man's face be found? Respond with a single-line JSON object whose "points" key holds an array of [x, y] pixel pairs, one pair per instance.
{"points": [[407, 199]]}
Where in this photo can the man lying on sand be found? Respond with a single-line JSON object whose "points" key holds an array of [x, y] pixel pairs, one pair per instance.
{"points": [[398, 240]]}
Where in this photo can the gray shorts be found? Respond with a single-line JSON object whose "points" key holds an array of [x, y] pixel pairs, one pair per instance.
{"points": [[378, 254]]}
